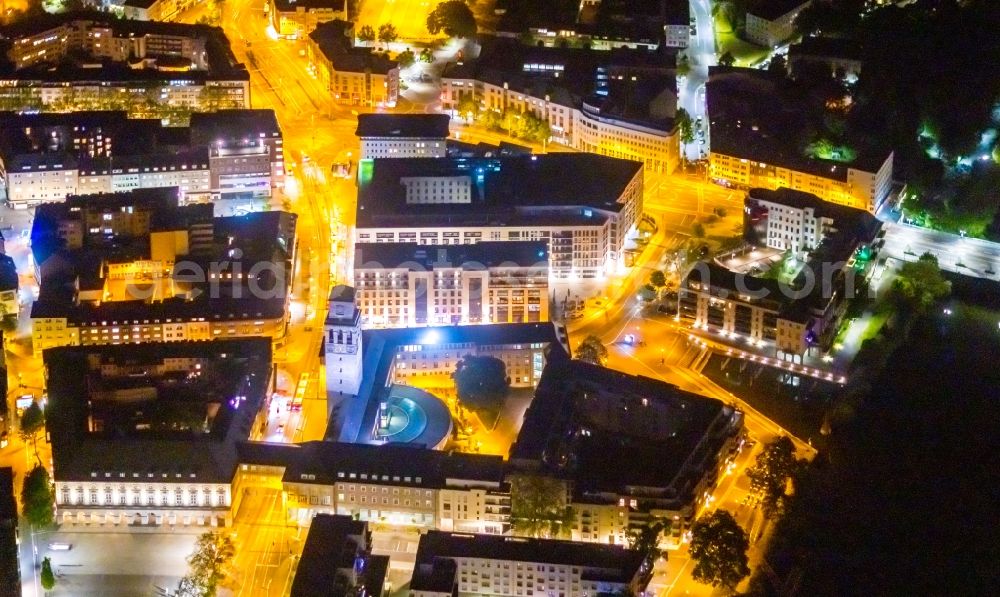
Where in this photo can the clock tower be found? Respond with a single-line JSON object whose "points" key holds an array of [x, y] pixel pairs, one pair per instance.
{"points": [[342, 346]]}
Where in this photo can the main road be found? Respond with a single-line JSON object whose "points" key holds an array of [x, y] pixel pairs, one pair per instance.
{"points": [[969, 256]]}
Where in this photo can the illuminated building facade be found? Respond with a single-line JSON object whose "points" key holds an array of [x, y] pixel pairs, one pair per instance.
{"points": [[408, 284], [124, 459], [93, 61]]}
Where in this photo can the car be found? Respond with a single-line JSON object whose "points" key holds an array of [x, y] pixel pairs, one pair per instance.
{"points": [[425, 78], [59, 546]]}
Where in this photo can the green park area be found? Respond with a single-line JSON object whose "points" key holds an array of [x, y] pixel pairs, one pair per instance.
{"points": [[726, 40]]}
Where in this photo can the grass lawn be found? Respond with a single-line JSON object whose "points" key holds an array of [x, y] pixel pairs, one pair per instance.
{"points": [[745, 53]]}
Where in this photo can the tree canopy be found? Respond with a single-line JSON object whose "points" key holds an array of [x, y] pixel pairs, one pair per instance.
{"points": [[209, 564], [592, 350], [686, 125], [387, 33], [47, 578], [454, 18], [366, 34], [32, 421], [406, 58], [719, 549], [775, 466], [539, 507], [36, 497], [481, 383], [920, 283]]}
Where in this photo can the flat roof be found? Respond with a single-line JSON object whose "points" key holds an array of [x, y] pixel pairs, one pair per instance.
{"points": [[504, 189], [762, 116], [239, 368], [600, 562], [653, 426], [333, 543], [326, 463], [403, 125], [221, 60], [478, 256], [293, 5]]}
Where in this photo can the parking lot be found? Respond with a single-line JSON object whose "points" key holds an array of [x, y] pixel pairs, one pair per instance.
{"points": [[110, 563]]}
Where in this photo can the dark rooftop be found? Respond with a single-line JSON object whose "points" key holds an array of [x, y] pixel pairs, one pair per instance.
{"points": [[336, 43], [478, 256], [836, 47], [586, 420], [608, 563], [293, 5], [326, 463], [762, 116], [773, 9], [403, 125], [504, 189], [8, 504], [333, 544], [237, 371]]}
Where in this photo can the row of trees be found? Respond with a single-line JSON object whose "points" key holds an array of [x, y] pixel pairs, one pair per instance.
{"points": [[521, 125], [387, 33]]}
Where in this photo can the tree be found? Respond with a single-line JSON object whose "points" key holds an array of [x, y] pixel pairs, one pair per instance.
{"points": [[683, 65], [210, 562], [36, 497], [387, 33], [538, 506], [686, 126], [478, 377], [646, 540], [366, 34], [467, 107], [727, 59], [406, 58], [771, 472], [454, 18], [592, 350], [920, 283], [778, 65], [32, 421], [426, 55], [698, 230], [48, 579], [719, 549], [658, 279]]}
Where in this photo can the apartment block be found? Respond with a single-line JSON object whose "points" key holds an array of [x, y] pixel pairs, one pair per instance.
{"points": [[584, 206], [409, 284], [450, 564], [402, 135], [225, 154], [126, 456], [354, 76], [90, 60], [136, 267]]}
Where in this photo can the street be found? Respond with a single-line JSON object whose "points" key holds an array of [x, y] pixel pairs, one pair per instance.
{"points": [[968, 256]]}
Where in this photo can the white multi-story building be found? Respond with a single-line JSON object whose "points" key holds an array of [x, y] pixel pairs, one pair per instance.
{"points": [[170, 64], [772, 22], [403, 135], [163, 468], [792, 220], [408, 284], [466, 564], [398, 485], [584, 206], [229, 153], [296, 18], [595, 124]]}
